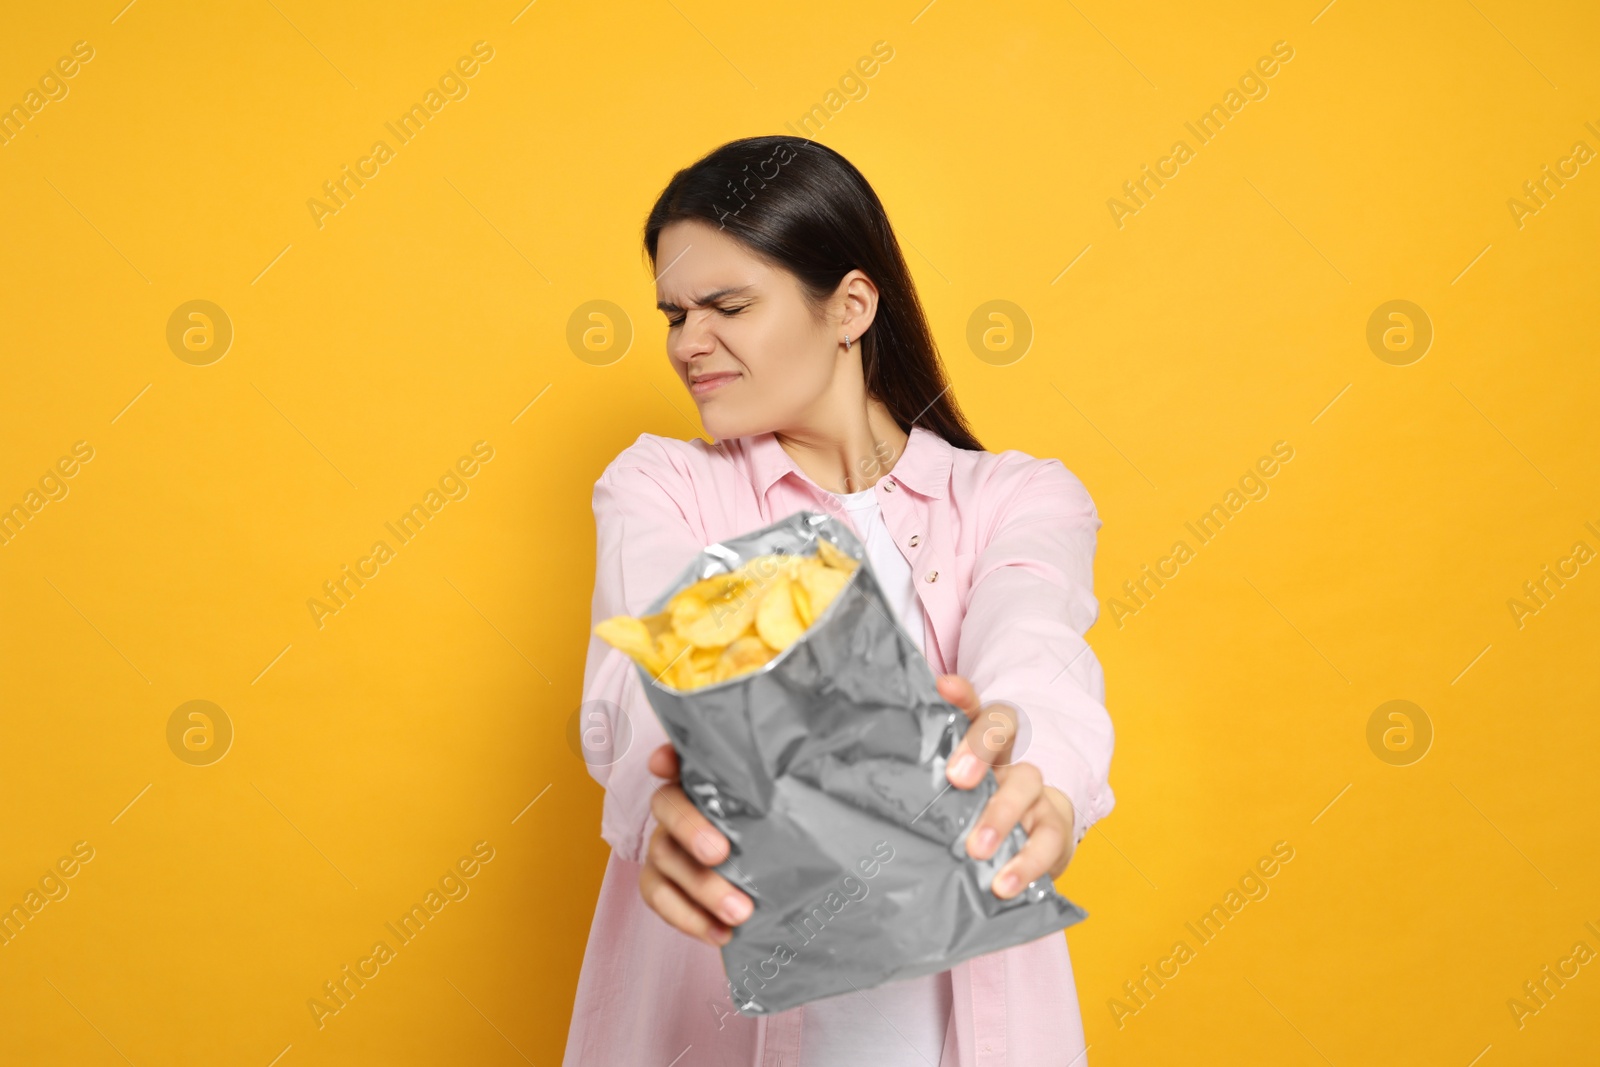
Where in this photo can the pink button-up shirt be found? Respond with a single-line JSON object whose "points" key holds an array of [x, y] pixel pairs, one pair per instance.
{"points": [[1002, 547]]}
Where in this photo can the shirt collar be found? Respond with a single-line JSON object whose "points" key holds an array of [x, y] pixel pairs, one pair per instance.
{"points": [[924, 466]]}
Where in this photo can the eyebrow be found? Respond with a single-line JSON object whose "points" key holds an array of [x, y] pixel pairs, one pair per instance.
{"points": [[734, 290]]}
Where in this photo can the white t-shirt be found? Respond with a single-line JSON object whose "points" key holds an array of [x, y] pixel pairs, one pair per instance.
{"points": [[901, 1024]]}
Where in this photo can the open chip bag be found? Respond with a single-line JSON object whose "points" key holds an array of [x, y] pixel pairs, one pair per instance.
{"points": [[809, 731]]}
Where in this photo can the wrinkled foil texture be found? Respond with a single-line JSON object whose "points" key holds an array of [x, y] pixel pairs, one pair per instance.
{"points": [[825, 768]]}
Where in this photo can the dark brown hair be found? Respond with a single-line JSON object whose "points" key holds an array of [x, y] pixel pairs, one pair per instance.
{"points": [[803, 207]]}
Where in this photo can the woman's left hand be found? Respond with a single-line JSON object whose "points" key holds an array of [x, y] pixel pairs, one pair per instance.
{"points": [[1044, 812]]}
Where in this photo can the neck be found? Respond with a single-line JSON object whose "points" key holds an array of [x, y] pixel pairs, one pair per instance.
{"points": [[849, 452]]}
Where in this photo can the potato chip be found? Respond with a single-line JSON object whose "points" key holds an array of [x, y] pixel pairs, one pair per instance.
{"points": [[685, 611], [833, 556], [821, 585], [716, 587], [802, 603], [747, 653], [633, 637], [717, 622], [673, 654], [776, 620]]}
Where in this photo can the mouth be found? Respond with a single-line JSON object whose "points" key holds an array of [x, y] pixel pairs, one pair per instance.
{"points": [[711, 382]]}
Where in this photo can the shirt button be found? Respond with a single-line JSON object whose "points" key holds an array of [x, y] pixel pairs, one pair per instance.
{"points": [[915, 539], [888, 486], [933, 576]]}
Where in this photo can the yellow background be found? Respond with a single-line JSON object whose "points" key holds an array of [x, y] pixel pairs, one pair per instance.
{"points": [[426, 716]]}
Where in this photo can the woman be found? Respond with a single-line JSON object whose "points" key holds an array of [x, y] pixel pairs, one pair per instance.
{"points": [[793, 322]]}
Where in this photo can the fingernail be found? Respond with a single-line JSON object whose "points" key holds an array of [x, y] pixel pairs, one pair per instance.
{"points": [[721, 935], [735, 908], [986, 841], [965, 766], [1005, 884]]}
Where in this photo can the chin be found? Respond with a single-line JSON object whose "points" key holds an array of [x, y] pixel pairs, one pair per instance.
{"points": [[722, 425]]}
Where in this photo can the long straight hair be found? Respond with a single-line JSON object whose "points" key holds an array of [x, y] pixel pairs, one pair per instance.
{"points": [[804, 207]]}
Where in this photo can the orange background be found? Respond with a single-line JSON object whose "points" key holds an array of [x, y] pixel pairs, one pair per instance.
{"points": [[371, 753]]}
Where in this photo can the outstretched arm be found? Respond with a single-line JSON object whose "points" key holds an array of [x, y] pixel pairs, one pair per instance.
{"points": [[1022, 644]]}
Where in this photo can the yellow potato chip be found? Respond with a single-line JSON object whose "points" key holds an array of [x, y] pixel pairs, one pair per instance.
{"points": [[674, 653], [821, 585], [685, 610], [746, 654], [658, 624], [834, 556], [715, 587], [776, 619], [802, 602], [715, 621], [668, 643], [633, 637]]}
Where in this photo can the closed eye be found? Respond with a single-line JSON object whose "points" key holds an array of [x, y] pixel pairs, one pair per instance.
{"points": [[674, 323]]}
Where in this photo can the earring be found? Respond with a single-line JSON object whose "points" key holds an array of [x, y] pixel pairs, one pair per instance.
{"points": [[847, 342]]}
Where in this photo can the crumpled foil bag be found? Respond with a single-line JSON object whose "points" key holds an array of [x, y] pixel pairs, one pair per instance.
{"points": [[825, 768]]}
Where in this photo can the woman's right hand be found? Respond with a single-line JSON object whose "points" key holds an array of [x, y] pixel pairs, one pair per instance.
{"points": [[677, 881]]}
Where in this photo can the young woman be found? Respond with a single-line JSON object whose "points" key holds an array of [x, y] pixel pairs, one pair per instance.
{"points": [[793, 322]]}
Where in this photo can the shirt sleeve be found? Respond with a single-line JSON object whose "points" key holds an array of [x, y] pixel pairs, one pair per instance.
{"points": [[1022, 638], [643, 540]]}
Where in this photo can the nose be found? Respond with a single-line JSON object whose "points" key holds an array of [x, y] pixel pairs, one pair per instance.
{"points": [[695, 337]]}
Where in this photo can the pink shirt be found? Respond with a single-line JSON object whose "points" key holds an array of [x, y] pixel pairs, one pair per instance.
{"points": [[1002, 547]]}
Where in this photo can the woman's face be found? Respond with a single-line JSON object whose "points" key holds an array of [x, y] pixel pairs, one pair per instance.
{"points": [[741, 336]]}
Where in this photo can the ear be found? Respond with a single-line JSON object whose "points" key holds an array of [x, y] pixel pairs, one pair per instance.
{"points": [[857, 298]]}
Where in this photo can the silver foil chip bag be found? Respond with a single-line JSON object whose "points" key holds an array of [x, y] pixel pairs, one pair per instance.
{"points": [[825, 768]]}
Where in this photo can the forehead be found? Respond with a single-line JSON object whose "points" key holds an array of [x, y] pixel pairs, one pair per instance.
{"points": [[695, 258]]}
